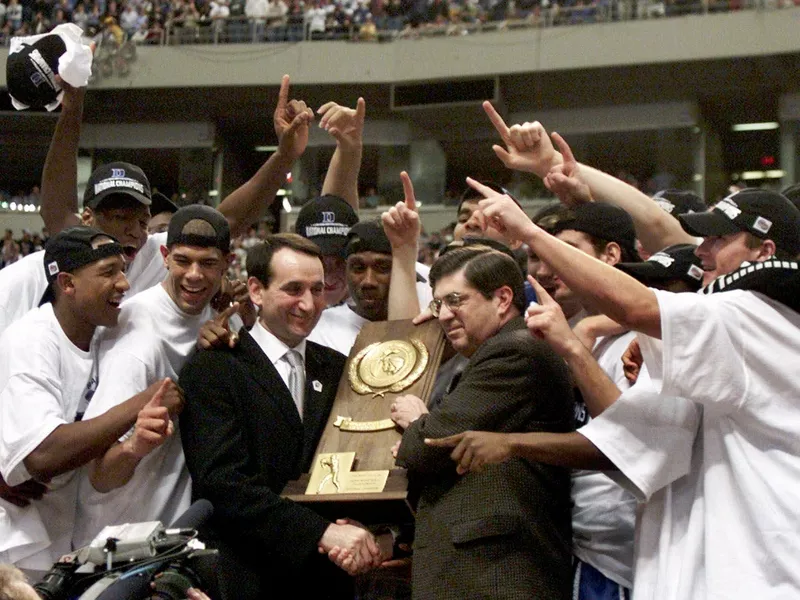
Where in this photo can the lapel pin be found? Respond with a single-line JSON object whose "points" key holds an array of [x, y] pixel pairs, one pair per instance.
{"points": [[316, 385]]}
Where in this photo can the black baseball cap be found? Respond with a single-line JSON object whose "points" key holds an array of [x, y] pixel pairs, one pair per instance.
{"points": [[678, 202], [367, 236], [326, 221], [678, 262], [114, 179], [161, 204], [31, 72], [602, 221], [793, 194], [177, 234], [71, 249], [765, 214]]}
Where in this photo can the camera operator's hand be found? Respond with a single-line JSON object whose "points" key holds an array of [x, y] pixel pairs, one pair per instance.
{"points": [[351, 547], [22, 494], [195, 594], [153, 425]]}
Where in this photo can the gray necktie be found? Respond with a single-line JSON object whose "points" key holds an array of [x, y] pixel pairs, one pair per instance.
{"points": [[297, 378]]}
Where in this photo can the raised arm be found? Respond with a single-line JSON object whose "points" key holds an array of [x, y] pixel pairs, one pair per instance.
{"points": [[546, 320], [59, 201], [616, 294], [248, 203], [402, 226], [346, 125]]}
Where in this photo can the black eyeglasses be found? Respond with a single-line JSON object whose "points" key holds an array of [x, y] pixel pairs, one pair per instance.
{"points": [[453, 301]]}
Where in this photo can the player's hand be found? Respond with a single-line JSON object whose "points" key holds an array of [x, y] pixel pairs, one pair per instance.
{"points": [[217, 331], [632, 361], [472, 450], [503, 213], [291, 120], [346, 125], [22, 494], [564, 180], [401, 222], [527, 147], [545, 320], [153, 424]]}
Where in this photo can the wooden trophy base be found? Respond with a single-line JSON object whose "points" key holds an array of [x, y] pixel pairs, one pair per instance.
{"points": [[389, 506]]}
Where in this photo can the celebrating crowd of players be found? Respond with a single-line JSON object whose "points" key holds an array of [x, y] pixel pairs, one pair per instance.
{"points": [[607, 428]]}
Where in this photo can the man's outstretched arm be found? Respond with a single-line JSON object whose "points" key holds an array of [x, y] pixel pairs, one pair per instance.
{"points": [[248, 203], [59, 201], [472, 450]]}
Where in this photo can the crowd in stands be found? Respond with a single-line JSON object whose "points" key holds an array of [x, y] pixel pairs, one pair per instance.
{"points": [[192, 21]]}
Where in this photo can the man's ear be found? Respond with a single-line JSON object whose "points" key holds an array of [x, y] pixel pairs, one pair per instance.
{"points": [[254, 287], [87, 217], [65, 283], [612, 254], [506, 297], [766, 250], [165, 254]]}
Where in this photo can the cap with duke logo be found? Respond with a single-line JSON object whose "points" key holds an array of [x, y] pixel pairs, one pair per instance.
{"points": [[767, 215], [326, 221], [117, 178], [71, 249]]}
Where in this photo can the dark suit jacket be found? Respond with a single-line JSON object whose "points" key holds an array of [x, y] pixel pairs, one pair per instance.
{"points": [[504, 532], [244, 439]]}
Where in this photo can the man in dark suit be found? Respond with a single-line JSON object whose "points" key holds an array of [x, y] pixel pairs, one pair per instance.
{"points": [[503, 532], [257, 412]]}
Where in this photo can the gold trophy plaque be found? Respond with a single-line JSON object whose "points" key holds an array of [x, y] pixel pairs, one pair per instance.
{"points": [[353, 473]]}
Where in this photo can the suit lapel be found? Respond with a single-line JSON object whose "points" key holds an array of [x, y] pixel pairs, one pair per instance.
{"points": [[318, 401], [263, 372]]}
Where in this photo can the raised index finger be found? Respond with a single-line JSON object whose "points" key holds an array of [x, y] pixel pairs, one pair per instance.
{"points": [[542, 297], [496, 119], [222, 318], [408, 190], [283, 95], [450, 441], [563, 147], [479, 187]]}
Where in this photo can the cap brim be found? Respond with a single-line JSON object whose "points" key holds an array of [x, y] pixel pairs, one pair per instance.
{"points": [[331, 245], [98, 199], [707, 223], [645, 271]]}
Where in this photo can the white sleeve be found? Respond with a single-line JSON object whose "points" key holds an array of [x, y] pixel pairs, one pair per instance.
{"points": [[31, 408], [703, 350], [647, 436]]}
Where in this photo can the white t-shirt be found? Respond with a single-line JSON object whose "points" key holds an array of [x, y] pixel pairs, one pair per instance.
{"points": [[44, 379], [338, 328], [654, 442], [23, 283], [153, 340], [735, 355], [339, 325], [604, 513]]}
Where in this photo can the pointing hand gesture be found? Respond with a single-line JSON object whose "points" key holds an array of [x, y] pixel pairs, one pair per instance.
{"points": [[546, 320], [527, 147], [564, 179], [346, 125], [291, 120], [401, 222]]}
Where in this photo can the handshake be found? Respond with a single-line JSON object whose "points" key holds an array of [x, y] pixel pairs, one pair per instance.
{"points": [[353, 548]]}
